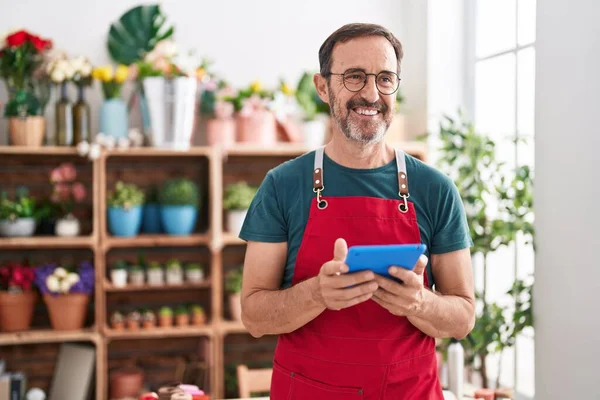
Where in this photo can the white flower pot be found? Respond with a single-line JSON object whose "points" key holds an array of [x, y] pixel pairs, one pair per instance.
{"points": [[174, 277], [155, 277], [314, 133], [118, 277], [195, 275], [155, 94], [67, 227], [235, 220], [136, 277], [21, 227]]}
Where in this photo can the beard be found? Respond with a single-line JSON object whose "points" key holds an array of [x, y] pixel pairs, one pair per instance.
{"points": [[355, 129]]}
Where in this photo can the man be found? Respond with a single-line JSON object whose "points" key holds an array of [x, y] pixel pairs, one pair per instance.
{"points": [[356, 335]]}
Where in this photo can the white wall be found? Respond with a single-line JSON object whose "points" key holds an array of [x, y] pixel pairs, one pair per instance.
{"points": [[567, 142], [260, 39]]}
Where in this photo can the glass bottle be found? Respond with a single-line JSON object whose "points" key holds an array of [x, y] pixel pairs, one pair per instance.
{"points": [[64, 119], [81, 118]]}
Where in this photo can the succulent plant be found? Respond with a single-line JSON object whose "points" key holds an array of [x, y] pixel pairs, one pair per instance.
{"points": [[179, 192], [126, 195]]}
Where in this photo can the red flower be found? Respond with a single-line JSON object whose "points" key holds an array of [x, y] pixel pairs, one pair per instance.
{"points": [[17, 38], [38, 42]]}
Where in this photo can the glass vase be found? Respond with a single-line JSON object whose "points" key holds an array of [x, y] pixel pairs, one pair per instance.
{"points": [[64, 119], [81, 118]]}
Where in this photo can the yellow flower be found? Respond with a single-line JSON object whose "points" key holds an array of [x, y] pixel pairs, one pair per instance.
{"points": [[200, 73], [97, 73], [286, 89], [103, 73], [121, 74], [256, 86]]}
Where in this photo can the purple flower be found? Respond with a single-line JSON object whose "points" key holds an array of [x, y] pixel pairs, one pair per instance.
{"points": [[84, 285]]}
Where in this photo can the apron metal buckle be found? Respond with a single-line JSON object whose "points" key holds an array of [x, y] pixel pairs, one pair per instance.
{"points": [[321, 203], [403, 207]]}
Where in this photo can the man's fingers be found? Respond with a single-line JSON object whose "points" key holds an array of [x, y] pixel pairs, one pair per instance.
{"points": [[389, 285], [358, 300], [332, 268], [355, 291], [347, 280], [340, 250], [408, 278], [421, 264]]}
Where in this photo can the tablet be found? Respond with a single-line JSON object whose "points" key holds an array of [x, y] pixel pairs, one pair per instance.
{"points": [[379, 258]]}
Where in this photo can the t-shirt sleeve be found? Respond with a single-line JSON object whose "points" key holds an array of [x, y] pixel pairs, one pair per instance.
{"points": [[265, 221], [451, 230]]}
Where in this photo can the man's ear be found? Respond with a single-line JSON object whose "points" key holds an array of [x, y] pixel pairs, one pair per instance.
{"points": [[321, 85]]}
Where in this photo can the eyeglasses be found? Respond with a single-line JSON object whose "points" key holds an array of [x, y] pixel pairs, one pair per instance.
{"points": [[387, 82]]}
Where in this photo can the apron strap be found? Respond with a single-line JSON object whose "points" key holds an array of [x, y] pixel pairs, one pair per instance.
{"points": [[318, 170], [402, 177]]}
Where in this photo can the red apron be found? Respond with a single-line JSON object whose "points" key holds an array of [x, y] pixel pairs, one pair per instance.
{"points": [[361, 352]]}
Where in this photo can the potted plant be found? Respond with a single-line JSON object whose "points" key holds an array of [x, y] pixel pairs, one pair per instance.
{"points": [[237, 199], [233, 286], [66, 292], [315, 112], [182, 317], [118, 274], [179, 202], [217, 113], [125, 209], [156, 276], [136, 275], [165, 317], [151, 222], [65, 193], [198, 315], [134, 320], [17, 218], [470, 157], [194, 272], [174, 272], [117, 321], [149, 319], [113, 111], [22, 55], [17, 297]]}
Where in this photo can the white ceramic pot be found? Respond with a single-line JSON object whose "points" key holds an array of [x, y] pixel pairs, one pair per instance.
{"points": [[195, 275], [118, 277], [184, 94], [155, 277], [155, 94], [136, 277], [315, 132], [67, 227], [235, 220], [174, 277], [20, 227]]}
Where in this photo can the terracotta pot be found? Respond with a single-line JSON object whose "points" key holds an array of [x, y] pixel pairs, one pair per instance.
{"points": [[220, 131], [149, 324], [27, 131], [165, 321], [133, 325], [182, 320], [235, 306], [257, 128], [118, 326], [16, 311], [67, 311], [199, 319], [126, 383]]}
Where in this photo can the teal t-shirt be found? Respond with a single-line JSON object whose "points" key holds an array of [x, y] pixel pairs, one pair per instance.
{"points": [[279, 211]]}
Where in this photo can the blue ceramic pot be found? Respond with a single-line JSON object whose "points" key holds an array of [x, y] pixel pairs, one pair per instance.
{"points": [[123, 222], [113, 118], [151, 222], [178, 220]]}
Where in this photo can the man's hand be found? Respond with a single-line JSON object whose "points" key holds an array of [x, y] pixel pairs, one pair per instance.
{"points": [[336, 289], [402, 299]]}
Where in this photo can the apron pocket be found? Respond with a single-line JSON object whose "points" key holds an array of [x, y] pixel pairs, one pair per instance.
{"points": [[289, 385]]}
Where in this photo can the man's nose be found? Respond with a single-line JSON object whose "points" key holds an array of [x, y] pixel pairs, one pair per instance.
{"points": [[370, 92]]}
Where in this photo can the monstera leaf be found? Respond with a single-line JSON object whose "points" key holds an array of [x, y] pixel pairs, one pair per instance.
{"points": [[136, 33]]}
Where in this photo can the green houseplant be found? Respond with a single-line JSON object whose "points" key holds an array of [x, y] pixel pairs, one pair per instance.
{"points": [[182, 316], [125, 209], [136, 274], [233, 286], [151, 222], [194, 272], [174, 272], [179, 202], [198, 314], [499, 207], [156, 275], [165, 317], [17, 217], [118, 274], [236, 200]]}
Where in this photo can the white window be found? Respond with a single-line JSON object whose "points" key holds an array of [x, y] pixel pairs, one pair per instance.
{"points": [[501, 102]]}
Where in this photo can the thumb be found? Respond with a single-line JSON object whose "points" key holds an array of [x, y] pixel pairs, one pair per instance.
{"points": [[421, 264], [340, 250]]}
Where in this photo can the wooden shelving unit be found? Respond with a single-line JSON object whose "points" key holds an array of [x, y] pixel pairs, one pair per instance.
{"points": [[213, 168]]}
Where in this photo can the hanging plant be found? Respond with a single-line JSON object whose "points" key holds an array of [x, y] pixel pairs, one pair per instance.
{"points": [[136, 33]]}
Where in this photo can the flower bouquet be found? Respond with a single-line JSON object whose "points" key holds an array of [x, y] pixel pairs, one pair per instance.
{"points": [[66, 192], [17, 297], [66, 292], [113, 112], [218, 113], [20, 55]]}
